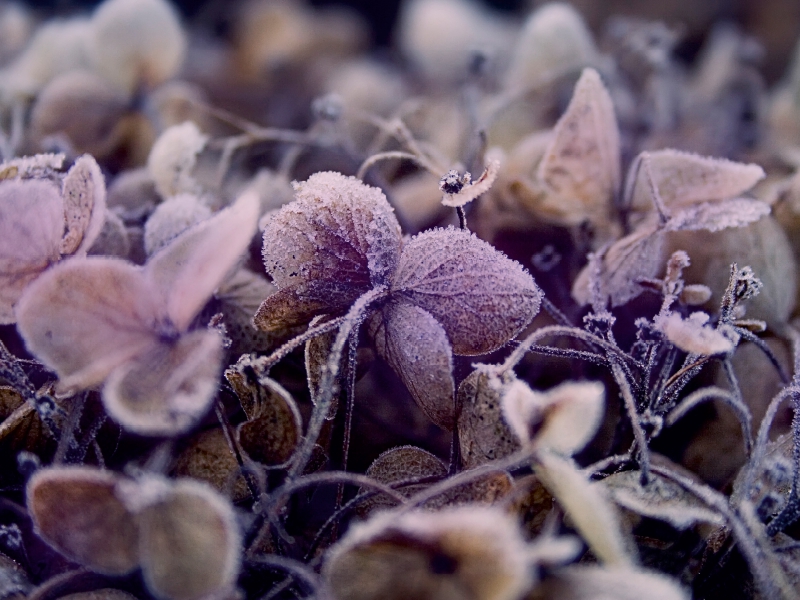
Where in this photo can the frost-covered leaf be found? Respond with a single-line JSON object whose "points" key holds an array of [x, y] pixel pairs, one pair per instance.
{"points": [[209, 458], [31, 227], [483, 433], [715, 216], [563, 419], [684, 178], [173, 156], [272, 432], [136, 42], [416, 346], [167, 388], [400, 464], [693, 335], [465, 552], [338, 240], [635, 257], [84, 197], [317, 351], [660, 499], [586, 504], [582, 161], [481, 297], [76, 510], [604, 583], [190, 543], [554, 40]]}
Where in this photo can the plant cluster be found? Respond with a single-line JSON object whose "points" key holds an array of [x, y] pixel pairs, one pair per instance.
{"points": [[511, 317]]}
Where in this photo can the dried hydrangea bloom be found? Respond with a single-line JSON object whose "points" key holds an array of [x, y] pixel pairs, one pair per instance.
{"points": [[563, 419], [106, 321], [136, 42], [447, 291], [468, 552], [172, 159], [554, 41], [172, 217], [40, 223]]}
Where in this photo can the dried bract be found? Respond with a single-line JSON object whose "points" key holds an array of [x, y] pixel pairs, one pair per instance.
{"points": [[693, 335], [172, 159]]}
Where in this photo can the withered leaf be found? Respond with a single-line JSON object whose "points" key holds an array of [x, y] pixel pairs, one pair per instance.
{"points": [[480, 297], [21, 427], [337, 240], [582, 162], [317, 351], [31, 227], [471, 552], [84, 197], [483, 433], [591, 512], [415, 345], [189, 543], [77, 511], [684, 178], [272, 433], [209, 458], [400, 464], [660, 499]]}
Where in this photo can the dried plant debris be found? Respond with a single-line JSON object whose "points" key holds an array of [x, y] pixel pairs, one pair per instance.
{"points": [[385, 403]]}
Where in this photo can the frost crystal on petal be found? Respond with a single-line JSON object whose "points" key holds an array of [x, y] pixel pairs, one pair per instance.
{"points": [[715, 216], [693, 335], [481, 297]]}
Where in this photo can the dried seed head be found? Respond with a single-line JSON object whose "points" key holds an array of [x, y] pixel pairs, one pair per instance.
{"points": [[480, 297], [469, 551], [76, 510], [173, 157], [563, 419], [415, 345], [339, 239], [136, 42]]}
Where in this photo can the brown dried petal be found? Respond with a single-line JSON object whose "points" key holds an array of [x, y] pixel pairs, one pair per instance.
{"points": [[684, 178], [273, 432], [21, 427], [339, 239], [317, 351], [84, 193], [285, 309], [416, 347], [209, 458], [400, 464], [482, 431], [487, 489], [31, 226], [168, 388], [583, 159], [76, 510], [481, 298], [189, 543]]}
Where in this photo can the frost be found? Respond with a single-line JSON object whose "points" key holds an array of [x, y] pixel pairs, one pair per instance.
{"points": [[461, 190], [171, 218], [715, 216], [84, 197], [693, 335], [480, 297]]}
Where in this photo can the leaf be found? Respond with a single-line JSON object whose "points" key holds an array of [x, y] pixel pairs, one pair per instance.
{"points": [[31, 226], [189, 543], [167, 388], [465, 552], [336, 241], [563, 419], [76, 510], [586, 504], [715, 216], [483, 433], [416, 347], [189, 269], [481, 298], [272, 433], [286, 309], [400, 464], [317, 351], [660, 499], [84, 198], [684, 178], [582, 161], [595, 583]]}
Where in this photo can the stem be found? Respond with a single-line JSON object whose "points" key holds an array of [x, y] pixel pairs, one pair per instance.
{"points": [[633, 415]]}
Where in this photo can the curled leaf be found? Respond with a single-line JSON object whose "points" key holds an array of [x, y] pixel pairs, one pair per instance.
{"points": [[481, 298]]}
